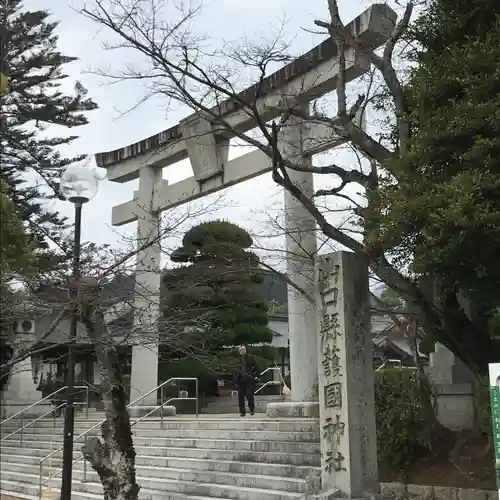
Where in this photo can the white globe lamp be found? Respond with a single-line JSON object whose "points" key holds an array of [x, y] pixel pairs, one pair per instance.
{"points": [[78, 184]]}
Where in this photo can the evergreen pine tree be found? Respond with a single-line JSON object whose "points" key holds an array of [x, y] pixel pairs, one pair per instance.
{"points": [[216, 293], [442, 218], [31, 101]]}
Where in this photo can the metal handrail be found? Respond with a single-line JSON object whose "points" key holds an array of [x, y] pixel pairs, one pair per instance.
{"points": [[397, 361], [62, 405], [92, 386], [269, 382], [84, 434], [41, 400], [270, 369]]}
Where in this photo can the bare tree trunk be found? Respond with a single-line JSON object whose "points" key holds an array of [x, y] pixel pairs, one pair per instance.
{"points": [[113, 457], [427, 396]]}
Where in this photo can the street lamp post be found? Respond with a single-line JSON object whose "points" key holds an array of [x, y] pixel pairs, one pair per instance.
{"points": [[78, 185]]}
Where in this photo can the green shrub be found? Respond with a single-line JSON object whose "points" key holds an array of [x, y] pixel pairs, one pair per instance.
{"points": [[402, 430]]}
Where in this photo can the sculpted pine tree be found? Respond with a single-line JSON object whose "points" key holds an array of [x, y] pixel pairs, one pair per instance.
{"points": [[32, 101], [216, 289]]}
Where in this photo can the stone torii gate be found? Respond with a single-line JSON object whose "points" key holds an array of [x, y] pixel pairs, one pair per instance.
{"points": [[311, 75]]}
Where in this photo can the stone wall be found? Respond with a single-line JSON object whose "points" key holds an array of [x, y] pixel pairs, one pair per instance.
{"points": [[401, 491], [455, 406], [454, 386]]}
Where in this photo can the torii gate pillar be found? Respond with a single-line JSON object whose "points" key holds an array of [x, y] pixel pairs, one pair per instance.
{"points": [[145, 350], [301, 246]]}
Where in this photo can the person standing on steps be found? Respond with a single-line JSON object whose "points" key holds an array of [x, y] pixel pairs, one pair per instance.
{"points": [[244, 380]]}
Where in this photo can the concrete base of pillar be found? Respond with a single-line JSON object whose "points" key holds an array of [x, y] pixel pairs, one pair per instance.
{"points": [[293, 409], [326, 495], [140, 411], [336, 494]]}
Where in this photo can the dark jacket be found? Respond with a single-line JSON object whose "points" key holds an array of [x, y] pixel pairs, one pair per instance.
{"points": [[246, 371]]}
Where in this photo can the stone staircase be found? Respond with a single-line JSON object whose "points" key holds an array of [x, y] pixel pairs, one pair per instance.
{"points": [[212, 457], [229, 404]]}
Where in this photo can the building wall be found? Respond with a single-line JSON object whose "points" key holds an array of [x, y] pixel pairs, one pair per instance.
{"points": [[281, 327]]}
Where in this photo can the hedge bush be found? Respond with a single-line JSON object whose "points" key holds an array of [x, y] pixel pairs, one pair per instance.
{"points": [[402, 430]]}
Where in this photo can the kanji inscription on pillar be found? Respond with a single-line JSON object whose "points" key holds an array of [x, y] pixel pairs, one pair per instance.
{"points": [[345, 376], [331, 361], [333, 395], [333, 429], [330, 381]]}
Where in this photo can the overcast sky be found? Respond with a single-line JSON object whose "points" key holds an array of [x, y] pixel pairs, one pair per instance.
{"points": [[109, 128]]}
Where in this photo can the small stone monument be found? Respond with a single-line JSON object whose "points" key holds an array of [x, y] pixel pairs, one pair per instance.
{"points": [[346, 392], [21, 390]]}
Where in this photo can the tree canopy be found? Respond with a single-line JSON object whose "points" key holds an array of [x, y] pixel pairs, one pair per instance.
{"points": [[15, 251], [32, 100], [442, 218]]}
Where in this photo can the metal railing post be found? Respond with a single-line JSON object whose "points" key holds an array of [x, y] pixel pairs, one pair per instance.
{"points": [[197, 399], [161, 408], [85, 462], [40, 482], [22, 427], [88, 400]]}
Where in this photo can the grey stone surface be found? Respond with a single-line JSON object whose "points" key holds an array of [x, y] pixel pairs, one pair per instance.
{"points": [[466, 494], [326, 495], [400, 491], [293, 409], [346, 380], [445, 493], [139, 411], [396, 490], [219, 457], [419, 492], [210, 457]]}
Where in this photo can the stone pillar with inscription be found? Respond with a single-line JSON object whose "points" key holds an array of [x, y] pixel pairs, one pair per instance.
{"points": [[346, 381]]}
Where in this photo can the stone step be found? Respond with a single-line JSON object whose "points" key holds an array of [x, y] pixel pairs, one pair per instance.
{"points": [[264, 435], [29, 485], [262, 481], [215, 423], [11, 461], [15, 489], [259, 398], [250, 455], [217, 410], [210, 444], [234, 402], [21, 496]]}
